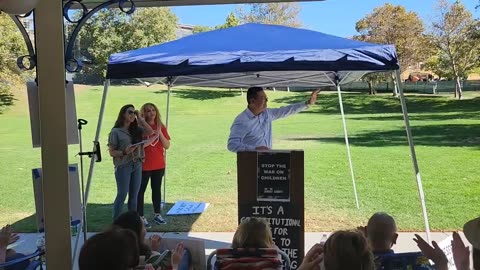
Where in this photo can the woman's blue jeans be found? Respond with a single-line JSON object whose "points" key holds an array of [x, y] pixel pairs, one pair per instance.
{"points": [[129, 179]]}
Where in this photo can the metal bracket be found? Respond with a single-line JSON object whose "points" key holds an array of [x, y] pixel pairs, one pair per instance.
{"points": [[29, 62], [71, 63], [25, 62]]}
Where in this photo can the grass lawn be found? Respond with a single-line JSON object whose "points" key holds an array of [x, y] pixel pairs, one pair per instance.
{"points": [[446, 133]]}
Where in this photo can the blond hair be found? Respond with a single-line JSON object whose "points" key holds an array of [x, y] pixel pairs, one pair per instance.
{"points": [[157, 119], [253, 233]]}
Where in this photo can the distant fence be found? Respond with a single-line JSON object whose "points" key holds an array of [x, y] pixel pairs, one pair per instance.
{"points": [[416, 87]]}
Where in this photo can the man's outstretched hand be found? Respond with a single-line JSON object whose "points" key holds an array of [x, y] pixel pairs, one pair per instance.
{"points": [[313, 97]]}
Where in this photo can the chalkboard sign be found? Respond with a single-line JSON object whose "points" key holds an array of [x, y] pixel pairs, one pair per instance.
{"points": [[286, 224], [273, 176], [277, 177]]}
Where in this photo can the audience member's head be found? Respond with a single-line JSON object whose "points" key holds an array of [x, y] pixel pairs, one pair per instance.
{"points": [[471, 229], [253, 233], [113, 249], [347, 250], [132, 221], [381, 232]]}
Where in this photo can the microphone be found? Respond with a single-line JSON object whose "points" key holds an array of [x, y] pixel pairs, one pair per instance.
{"points": [[96, 150]]}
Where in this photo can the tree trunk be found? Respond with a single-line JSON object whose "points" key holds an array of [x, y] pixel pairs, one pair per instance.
{"points": [[395, 89], [371, 89], [458, 87]]}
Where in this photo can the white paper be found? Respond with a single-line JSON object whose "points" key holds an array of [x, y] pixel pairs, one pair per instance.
{"points": [[446, 246], [187, 208], [71, 113], [145, 141]]}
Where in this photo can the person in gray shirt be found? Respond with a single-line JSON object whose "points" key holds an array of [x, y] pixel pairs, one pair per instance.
{"points": [[128, 156]]}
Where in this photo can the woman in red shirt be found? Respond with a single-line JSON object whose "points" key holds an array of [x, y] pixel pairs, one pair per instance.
{"points": [[154, 164]]}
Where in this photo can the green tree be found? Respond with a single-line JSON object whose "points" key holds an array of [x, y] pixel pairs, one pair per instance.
{"points": [[391, 24], [12, 46], [373, 79], [439, 65], [271, 13], [231, 21], [455, 35], [112, 31], [201, 28]]}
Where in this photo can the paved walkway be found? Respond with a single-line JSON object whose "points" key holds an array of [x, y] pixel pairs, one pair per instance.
{"points": [[215, 240]]}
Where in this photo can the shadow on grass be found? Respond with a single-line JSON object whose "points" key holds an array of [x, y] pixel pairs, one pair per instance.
{"points": [[420, 117], [429, 135], [99, 217], [197, 94], [6, 100], [367, 104]]}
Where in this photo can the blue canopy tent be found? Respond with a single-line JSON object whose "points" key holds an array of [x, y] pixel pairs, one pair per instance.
{"points": [[255, 54], [261, 55]]}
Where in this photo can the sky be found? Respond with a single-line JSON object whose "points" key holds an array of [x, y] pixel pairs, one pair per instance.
{"points": [[336, 17]]}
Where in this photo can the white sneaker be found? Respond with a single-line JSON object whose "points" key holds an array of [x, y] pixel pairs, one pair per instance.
{"points": [[159, 219], [145, 223]]}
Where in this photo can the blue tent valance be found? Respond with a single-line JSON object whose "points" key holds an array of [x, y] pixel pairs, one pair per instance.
{"points": [[255, 54]]}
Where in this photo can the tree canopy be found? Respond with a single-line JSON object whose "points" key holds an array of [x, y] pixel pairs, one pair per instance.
{"points": [[111, 31], [286, 13], [455, 35], [395, 25]]}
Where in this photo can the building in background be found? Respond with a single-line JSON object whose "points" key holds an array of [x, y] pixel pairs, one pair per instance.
{"points": [[28, 24], [184, 30]]}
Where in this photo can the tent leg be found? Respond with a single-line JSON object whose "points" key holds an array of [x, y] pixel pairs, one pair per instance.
{"points": [[97, 137], [92, 163], [166, 124], [413, 154], [347, 144]]}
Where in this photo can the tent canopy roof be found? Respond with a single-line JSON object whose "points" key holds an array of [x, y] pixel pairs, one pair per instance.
{"points": [[255, 54]]}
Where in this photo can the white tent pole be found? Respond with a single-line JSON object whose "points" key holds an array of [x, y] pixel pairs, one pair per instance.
{"points": [[169, 88], [97, 136], [347, 143], [92, 163], [413, 154]]}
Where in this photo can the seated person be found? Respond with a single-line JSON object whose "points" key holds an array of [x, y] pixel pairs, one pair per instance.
{"points": [[149, 253], [252, 248], [343, 250], [253, 233], [347, 250], [113, 249], [381, 233], [7, 237]]}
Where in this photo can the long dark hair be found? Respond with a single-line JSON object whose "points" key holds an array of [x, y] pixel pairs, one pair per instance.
{"points": [[132, 221], [133, 128]]}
